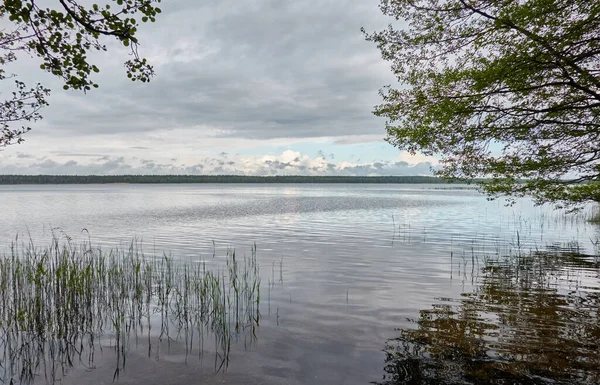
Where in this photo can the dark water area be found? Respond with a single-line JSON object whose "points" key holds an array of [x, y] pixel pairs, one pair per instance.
{"points": [[394, 284]]}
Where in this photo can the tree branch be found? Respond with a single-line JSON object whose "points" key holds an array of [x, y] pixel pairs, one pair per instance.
{"points": [[90, 27]]}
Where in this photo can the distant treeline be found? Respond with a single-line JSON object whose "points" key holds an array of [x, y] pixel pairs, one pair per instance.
{"points": [[100, 179]]}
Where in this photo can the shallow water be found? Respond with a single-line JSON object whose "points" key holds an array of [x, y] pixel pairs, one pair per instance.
{"points": [[351, 274]]}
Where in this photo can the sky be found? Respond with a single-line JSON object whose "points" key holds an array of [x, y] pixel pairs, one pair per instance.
{"points": [[254, 87]]}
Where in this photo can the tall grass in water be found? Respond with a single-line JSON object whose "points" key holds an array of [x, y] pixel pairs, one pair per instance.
{"points": [[57, 302]]}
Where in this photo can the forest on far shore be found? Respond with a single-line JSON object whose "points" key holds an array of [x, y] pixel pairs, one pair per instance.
{"points": [[102, 179]]}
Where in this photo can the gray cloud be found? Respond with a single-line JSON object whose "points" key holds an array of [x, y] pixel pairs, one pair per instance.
{"points": [[232, 77], [260, 70], [356, 139]]}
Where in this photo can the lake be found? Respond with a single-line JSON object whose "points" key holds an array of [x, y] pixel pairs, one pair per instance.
{"points": [[359, 283]]}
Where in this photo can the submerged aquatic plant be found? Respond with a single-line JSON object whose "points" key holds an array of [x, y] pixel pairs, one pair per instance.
{"points": [[58, 305]]}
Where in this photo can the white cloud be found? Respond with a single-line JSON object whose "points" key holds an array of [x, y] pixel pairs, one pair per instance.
{"points": [[417, 158], [287, 163]]}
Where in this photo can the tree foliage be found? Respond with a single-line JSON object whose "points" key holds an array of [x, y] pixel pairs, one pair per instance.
{"points": [[501, 89], [62, 33]]}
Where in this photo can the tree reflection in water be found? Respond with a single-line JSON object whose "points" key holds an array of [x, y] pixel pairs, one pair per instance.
{"points": [[531, 320]]}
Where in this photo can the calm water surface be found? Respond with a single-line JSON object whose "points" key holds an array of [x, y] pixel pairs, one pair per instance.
{"points": [[362, 283]]}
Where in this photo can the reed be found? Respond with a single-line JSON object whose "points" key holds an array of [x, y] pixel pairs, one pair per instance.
{"points": [[58, 302]]}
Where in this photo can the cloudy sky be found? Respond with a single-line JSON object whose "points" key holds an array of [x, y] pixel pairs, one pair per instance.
{"points": [[258, 87]]}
